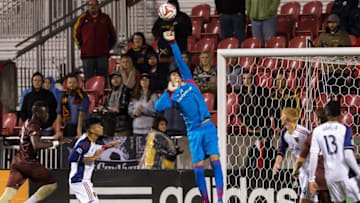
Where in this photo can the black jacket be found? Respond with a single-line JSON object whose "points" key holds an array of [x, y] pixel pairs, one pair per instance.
{"points": [[138, 55], [230, 6], [123, 120], [41, 95], [159, 79], [349, 14], [182, 27]]}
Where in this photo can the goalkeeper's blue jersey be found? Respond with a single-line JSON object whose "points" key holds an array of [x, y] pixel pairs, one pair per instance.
{"points": [[187, 98]]}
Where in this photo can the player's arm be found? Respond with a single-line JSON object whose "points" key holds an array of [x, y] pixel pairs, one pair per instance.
{"points": [[38, 144], [314, 153], [303, 154], [164, 102], [93, 158], [281, 152], [349, 152], [183, 68]]}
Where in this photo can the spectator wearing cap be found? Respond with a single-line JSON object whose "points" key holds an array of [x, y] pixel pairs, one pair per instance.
{"points": [[349, 14], [232, 18], [333, 36], [139, 51], [95, 35], [117, 101], [158, 73], [182, 26], [141, 109], [263, 16]]}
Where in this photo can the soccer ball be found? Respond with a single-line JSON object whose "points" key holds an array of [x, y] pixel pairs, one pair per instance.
{"points": [[167, 11]]}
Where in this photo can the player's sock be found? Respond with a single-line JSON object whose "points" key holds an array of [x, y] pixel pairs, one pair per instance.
{"points": [[32, 199], [8, 194], [200, 181], [218, 179], [42, 193]]}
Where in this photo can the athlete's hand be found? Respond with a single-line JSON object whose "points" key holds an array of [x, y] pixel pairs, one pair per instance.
{"points": [[64, 140], [113, 143], [169, 35], [98, 153], [172, 86], [275, 169], [313, 187]]}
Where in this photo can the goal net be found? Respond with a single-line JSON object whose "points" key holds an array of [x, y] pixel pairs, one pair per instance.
{"points": [[253, 89]]}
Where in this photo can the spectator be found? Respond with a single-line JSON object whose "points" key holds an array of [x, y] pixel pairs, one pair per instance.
{"points": [[182, 26], [234, 72], [39, 94], [158, 73], [263, 18], [205, 73], [72, 109], [139, 51], [49, 84], [349, 14], [141, 108], [261, 155], [127, 71], [333, 36], [23, 94], [187, 59], [282, 97], [253, 107], [160, 151], [95, 35], [117, 101], [232, 18]]}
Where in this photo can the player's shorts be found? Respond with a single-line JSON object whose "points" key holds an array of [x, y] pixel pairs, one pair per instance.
{"points": [[84, 192], [342, 189], [305, 189], [21, 169], [203, 141]]}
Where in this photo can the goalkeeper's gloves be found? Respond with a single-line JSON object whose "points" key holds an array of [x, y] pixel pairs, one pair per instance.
{"points": [[169, 35]]}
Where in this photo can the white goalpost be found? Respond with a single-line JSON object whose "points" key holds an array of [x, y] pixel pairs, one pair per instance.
{"points": [[311, 87]]}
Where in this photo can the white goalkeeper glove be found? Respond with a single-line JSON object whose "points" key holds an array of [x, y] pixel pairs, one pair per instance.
{"points": [[169, 35], [172, 86]]}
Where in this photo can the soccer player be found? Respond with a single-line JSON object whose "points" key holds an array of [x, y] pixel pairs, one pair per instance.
{"points": [[323, 192], [82, 159], [293, 137], [25, 164], [334, 141], [184, 94]]}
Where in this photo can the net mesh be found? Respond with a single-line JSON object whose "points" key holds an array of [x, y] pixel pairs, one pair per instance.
{"points": [[257, 89]]}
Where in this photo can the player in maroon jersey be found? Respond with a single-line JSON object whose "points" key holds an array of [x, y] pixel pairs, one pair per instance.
{"points": [[25, 164]]}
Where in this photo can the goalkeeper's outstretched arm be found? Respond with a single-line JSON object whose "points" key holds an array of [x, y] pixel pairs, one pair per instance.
{"points": [[183, 68]]}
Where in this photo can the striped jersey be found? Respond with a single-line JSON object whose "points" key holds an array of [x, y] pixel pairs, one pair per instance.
{"points": [[80, 171]]}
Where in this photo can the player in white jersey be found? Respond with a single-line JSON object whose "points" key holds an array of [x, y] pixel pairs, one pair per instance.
{"points": [[82, 158], [334, 141], [293, 136]]}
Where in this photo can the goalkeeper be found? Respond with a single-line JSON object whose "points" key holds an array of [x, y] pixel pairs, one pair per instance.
{"points": [[184, 94]]}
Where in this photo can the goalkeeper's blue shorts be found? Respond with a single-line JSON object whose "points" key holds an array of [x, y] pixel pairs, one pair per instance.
{"points": [[203, 141]]}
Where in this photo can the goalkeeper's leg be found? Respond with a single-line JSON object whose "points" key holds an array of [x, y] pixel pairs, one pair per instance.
{"points": [[215, 164], [200, 180]]}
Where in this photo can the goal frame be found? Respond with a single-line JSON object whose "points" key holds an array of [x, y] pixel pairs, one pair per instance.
{"points": [[258, 52]]}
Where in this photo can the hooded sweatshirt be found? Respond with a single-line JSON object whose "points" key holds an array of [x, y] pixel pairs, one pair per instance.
{"points": [[39, 95], [53, 89]]}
